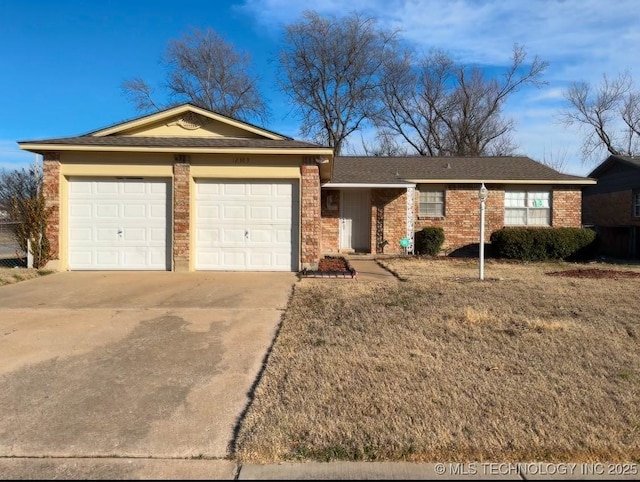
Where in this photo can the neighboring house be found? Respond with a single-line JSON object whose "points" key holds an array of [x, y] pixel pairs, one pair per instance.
{"points": [[612, 206], [187, 189]]}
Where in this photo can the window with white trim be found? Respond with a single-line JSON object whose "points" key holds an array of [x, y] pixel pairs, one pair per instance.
{"points": [[527, 208], [636, 203], [431, 203]]}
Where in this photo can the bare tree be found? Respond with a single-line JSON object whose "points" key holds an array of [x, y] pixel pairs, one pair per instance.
{"points": [[204, 69], [385, 144], [445, 109], [330, 69], [22, 197], [609, 116], [555, 160]]}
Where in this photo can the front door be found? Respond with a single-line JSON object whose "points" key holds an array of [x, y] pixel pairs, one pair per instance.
{"points": [[355, 220]]}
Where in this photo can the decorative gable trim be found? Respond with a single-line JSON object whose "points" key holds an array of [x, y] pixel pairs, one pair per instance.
{"points": [[189, 118]]}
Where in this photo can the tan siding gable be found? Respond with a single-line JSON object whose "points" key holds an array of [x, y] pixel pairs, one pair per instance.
{"points": [[189, 125]]}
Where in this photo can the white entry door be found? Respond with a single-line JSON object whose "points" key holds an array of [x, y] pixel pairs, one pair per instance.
{"points": [[246, 225], [355, 220], [118, 224]]}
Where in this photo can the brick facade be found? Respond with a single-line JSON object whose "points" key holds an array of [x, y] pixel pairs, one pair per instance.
{"points": [[388, 220], [566, 207], [461, 222], [330, 221], [310, 225], [51, 191], [181, 212]]}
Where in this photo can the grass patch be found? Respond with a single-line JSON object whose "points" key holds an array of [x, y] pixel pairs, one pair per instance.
{"points": [[519, 367], [15, 275]]}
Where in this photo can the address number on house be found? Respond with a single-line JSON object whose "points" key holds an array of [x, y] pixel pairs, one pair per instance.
{"points": [[241, 160]]}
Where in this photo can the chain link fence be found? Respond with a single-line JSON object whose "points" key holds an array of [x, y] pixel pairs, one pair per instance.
{"points": [[11, 256]]}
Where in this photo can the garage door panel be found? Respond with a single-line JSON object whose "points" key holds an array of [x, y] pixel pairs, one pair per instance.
{"points": [[118, 224], [106, 188], [204, 236], [233, 189], [254, 228], [209, 212], [232, 212], [134, 211], [231, 236], [234, 259], [80, 211], [261, 213]]}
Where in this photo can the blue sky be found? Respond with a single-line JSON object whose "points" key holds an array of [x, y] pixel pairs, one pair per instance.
{"points": [[62, 63]]}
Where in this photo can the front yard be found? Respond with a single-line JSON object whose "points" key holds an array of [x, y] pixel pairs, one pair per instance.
{"points": [[524, 366], [14, 275]]}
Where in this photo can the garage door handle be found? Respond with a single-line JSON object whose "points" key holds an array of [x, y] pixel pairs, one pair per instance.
{"points": [[246, 234]]}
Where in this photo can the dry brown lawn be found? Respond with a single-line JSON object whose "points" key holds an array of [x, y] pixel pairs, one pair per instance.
{"points": [[523, 366], [14, 275]]}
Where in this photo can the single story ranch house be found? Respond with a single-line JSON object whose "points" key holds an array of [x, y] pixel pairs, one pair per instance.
{"points": [[187, 189]]}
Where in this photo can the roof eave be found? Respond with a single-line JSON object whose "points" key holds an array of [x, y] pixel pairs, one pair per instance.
{"points": [[367, 185], [503, 181], [39, 148]]}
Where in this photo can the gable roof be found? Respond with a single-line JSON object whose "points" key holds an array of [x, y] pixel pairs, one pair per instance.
{"points": [[395, 170], [183, 109], [632, 161], [190, 134]]}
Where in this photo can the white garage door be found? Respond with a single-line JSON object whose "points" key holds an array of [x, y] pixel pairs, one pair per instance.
{"points": [[118, 224], [247, 225]]}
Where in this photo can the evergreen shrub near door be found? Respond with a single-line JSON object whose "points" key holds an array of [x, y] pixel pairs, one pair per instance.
{"points": [[429, 241], [539, 244]]}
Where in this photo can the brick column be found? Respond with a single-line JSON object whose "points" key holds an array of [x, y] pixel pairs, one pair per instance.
{"points": [[566, 207], [181, 212], [310, 218], [51, 191]]}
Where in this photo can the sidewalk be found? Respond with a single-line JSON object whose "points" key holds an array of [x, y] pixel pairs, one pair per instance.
{"points": [[197, 469], [368, 269]]}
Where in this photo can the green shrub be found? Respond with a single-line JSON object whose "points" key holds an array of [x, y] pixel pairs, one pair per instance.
{"points": [[429, 241], [537, 244]]}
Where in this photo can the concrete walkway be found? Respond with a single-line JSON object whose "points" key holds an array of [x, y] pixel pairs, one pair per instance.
{"points": [[369, 270]]}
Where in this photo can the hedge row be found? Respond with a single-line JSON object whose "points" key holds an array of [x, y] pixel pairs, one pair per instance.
{"points": [[537, 244]]}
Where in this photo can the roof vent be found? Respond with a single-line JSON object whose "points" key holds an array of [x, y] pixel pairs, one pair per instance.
{"points": [[448, 166]]}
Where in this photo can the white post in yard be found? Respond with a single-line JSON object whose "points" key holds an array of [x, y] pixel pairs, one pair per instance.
{"points": [[482, 195], [29, 255]]}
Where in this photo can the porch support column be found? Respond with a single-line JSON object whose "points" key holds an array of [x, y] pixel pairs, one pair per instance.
{"points": [[310, 213], [410, 215], [181, 212]]}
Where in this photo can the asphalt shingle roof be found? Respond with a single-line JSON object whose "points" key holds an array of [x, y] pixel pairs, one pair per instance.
{"points": [[393, 170], [633, 161], [193, 142]]}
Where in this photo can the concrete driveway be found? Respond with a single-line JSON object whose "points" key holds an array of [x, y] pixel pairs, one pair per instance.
{"points": [[131, 364]]}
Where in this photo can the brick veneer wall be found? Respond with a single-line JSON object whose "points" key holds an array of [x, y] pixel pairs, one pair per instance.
{"points": [[566, 207], [461, 222], [181, 212], [388, 220], [609, 209], [51, 191], [310, 214], [330, 221]]}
